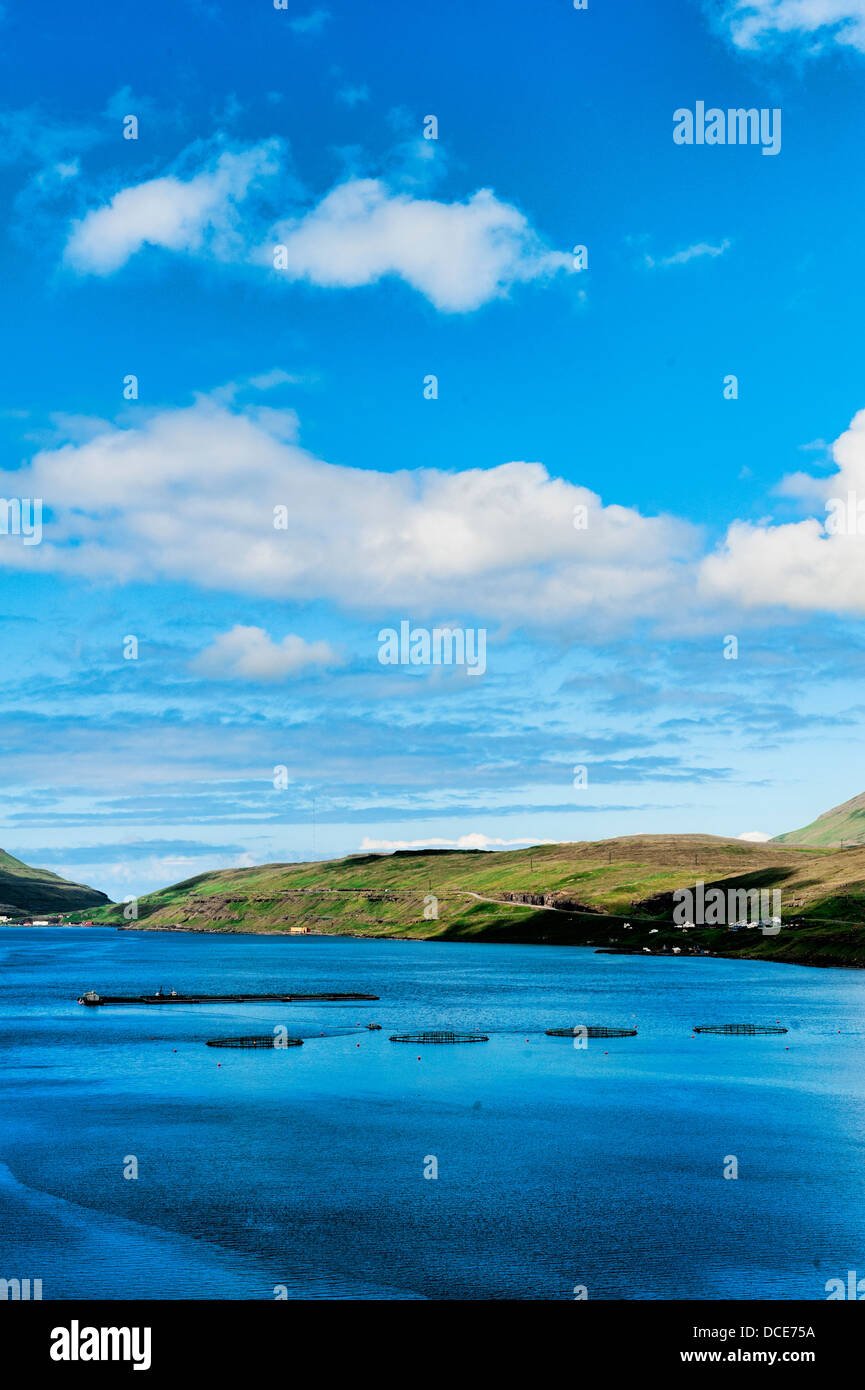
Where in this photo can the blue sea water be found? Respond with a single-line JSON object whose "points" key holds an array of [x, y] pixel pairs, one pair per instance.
{"points": [[302, 1169]]}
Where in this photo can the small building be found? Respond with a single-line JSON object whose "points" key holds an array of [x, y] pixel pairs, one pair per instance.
{"points": [[299, 931]]}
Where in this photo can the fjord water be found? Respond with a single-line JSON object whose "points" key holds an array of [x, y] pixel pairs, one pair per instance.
{"points": [[303, 1168]]}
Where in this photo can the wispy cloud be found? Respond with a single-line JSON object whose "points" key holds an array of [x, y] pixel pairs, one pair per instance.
{"points": [[473, 840], [352, 95], [311, 23], [688, 253]]}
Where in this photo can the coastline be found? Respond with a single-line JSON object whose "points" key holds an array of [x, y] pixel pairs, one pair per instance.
{"points": [[791, 950]]}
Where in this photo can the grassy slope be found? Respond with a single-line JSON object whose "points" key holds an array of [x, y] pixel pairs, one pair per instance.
{"points": [[38, 890], [843, 825], [598, 884]]}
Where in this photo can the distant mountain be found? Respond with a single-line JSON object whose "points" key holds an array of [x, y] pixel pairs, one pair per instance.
{"points": [[28, 890], [843, 825]]}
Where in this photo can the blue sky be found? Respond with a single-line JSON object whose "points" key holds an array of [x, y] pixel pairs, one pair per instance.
{"points": [[303, 387]]}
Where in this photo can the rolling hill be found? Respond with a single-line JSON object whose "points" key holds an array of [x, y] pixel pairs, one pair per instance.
{"points": [[562, 894], [27, 890], [843, 825]]}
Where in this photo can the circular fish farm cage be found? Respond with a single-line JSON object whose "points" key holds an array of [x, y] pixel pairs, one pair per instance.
{"points": [[590, 1031], [739, 1030], [260, 1040], [438, 1037]]}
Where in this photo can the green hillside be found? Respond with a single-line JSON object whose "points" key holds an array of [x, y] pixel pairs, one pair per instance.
{"points": [[843, 825], [25, 890], [566, 894]]}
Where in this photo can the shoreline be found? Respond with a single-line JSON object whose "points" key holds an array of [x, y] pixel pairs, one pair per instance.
{"points": [[827, 959]]}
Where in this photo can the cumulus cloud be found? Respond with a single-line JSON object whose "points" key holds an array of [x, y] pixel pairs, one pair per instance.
{"points": [[757, 837], [752, 24], [248, 653], [475, 840], [200, 215], [460, 255], [817, 564], [225, 499]]}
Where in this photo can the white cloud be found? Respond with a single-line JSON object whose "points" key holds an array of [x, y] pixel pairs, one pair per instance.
{"points": [[197, 216], [266, 381], [757, 837], [248, 653], [351, 95], [460, 255], [801, 487], [690, 253], [189, 495], [310, 23], [475, 840], [752, 24], [800, 565]]}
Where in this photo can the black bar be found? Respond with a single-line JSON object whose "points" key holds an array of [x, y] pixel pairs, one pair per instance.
{"points": [[612, 1337]]}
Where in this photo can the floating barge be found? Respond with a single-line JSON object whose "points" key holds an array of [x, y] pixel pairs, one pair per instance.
{"points": [[93, 999], [586, 1030], [739, 1030]]}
